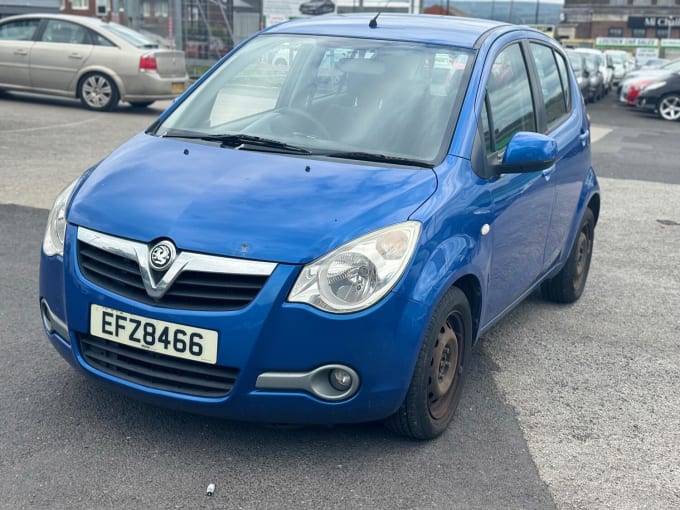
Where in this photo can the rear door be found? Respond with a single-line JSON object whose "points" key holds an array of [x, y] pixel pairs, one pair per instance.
{"points": [[58, 55], [16, 41], [563, 119]]}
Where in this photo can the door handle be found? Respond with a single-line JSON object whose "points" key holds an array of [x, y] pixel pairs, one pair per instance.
{"points": [[584, 137], [21, 52], [76, 56]]}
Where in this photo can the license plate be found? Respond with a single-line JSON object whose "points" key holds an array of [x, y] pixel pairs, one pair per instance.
{"points": [[177, 88], [163, 337]]}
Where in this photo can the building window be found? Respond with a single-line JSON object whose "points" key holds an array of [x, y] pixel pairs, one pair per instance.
{"points": [[146, 9], [642, 2], [665, 3], [615, 32], [640, 32], [661, 33], [80, 4], [618, 2], [162, 9]]}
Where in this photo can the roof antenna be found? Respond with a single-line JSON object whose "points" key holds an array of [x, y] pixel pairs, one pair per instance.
{"points": [[374, 22]]}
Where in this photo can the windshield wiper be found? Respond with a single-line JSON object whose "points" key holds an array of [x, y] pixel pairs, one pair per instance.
{"points": [[382, 158], [241, 141]]}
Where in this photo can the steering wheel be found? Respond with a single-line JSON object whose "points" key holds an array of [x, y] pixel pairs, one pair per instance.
{"points": [[312, 126]]}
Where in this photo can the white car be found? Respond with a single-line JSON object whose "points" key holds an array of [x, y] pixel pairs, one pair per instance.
{"points": [[607, 72], [616, 60]]}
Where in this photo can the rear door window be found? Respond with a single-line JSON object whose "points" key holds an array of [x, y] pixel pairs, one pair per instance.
{"points": [[550, 81]]}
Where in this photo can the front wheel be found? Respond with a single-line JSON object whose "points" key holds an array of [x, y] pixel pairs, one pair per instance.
{"points": [[569, 283], [669, 107], [437, 382], [98, 92]]}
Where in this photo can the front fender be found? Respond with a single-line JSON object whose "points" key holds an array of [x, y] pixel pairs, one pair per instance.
{"points": [[441, 265]]}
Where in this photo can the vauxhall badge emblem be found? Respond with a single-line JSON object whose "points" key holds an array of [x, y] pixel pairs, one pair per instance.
{"points": [[162, 255]]}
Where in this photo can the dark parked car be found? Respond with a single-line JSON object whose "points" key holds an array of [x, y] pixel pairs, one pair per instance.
{"points": [[578, 64], [662, 96], [324, 242], [315, 7]]}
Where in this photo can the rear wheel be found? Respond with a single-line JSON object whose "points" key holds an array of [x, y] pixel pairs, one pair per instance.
{"points": [[98, 92], [669, 107], [569, 283], [437, 382]]}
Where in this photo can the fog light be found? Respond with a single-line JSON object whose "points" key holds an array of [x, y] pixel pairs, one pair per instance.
{"points": [[340, 379]]}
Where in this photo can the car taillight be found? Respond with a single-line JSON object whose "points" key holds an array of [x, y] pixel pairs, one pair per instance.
{"points": [[147, 63]]}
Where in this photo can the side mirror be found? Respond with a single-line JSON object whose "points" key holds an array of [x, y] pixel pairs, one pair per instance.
{"points": [[528, 152]]}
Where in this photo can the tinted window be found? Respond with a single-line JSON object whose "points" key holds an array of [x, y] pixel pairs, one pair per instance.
{"points": [[550, 81], [510, 100], [21, 30], [58, 31]]}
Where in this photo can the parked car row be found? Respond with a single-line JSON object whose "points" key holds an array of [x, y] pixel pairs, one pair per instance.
{"points": [[656, 89], [598, 71]]}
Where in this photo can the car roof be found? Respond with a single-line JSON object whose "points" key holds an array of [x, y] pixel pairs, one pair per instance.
{"points": [[447, 30], [83, 20]]}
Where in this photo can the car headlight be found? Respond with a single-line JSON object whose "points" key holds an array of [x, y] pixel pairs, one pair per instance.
{"points": [[654, 86], [359, 273], [53, 242]]}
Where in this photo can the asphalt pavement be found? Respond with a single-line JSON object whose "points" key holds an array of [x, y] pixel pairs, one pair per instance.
{"points": [[565, 406]]}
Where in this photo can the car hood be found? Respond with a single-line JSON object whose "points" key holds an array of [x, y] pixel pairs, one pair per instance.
{"points": [[644, 74], [240, 203]]}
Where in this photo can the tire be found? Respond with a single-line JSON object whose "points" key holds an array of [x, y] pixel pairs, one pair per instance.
{"points": [[569, 283], [435, 389], [98, 92], [669, 107], [141, 104]]}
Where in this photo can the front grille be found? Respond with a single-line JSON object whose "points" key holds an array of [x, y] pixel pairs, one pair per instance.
{"points": [[192, 290], [157, 370]]}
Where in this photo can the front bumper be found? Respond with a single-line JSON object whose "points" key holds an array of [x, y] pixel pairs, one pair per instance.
{"points": [[647, 103], [269, 336]]}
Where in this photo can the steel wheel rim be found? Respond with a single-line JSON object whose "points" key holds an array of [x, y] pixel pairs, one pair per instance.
{"points": [[445, 367], [670, 108], [583, 251], [97, 91]]}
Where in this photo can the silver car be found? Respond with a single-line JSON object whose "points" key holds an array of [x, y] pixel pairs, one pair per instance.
{"points": [[96, 61]]}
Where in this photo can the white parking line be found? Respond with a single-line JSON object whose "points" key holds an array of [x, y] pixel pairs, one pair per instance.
{"points": [[598, 132], [50, 127]]}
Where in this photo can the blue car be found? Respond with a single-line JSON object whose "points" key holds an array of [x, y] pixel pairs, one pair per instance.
{"points": [[324, 242]]}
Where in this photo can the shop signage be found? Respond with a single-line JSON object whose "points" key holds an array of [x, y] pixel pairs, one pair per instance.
{"points": [[653, 21]]}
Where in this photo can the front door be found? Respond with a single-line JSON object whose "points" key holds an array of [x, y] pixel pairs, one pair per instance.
{"points": [[522, 203], [16, 41]]}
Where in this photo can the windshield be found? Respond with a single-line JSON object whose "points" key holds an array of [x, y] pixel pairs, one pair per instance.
{"points": [[331, 95], [131, 36]]}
